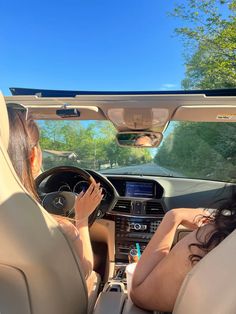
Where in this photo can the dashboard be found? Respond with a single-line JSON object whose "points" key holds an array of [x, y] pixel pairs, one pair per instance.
{"points": [[137, 204]]}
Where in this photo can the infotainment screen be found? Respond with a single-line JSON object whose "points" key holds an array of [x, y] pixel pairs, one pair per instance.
{"points": [[139, 189]]}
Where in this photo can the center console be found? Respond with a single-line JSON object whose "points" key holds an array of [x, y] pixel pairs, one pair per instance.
{"points": [[132, 230], [136, 215]]}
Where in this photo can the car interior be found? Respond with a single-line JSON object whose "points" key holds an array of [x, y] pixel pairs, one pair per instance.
{"points": [[39, 269]]}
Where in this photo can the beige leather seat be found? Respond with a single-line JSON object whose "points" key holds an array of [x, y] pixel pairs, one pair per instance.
{"points": [[39, 271], [210, 288]]}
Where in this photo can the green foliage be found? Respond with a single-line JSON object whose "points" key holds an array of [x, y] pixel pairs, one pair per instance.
{"points": [[201, 150], [95, 145], [210, 43]]}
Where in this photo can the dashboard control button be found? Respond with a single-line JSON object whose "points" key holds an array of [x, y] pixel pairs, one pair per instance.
{"points": [[137, 226]]}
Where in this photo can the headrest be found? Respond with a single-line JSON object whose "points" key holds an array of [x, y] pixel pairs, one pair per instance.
{"points": [[4, 123]]}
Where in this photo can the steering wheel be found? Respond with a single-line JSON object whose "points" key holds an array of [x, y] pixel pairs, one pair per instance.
{"points": [[62, 202]]}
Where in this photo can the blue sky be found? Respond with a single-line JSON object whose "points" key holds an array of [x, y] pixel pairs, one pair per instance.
{"points": [[89, 45]]}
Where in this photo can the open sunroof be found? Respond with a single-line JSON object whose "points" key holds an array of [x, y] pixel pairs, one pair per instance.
{"points": [[64, 93]]}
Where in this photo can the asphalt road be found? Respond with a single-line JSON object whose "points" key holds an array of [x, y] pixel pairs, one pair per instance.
{"points": [[145, 169]]}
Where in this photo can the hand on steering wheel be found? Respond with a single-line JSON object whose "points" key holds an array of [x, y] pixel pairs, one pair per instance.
{"points": [[87, 202], [67, 203]]}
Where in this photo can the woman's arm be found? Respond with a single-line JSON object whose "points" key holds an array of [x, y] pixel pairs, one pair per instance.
{"points": [[86, 203], [160, 272]]}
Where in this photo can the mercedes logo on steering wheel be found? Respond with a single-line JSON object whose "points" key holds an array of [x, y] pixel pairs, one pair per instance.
{"points": [[59, 202]]}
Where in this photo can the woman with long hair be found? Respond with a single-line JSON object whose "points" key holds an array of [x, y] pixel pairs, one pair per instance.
{"points": [[26, 156], [161, 270]]}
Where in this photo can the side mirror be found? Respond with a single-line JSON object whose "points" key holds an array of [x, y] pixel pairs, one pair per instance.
{"points": [[139, 139]]}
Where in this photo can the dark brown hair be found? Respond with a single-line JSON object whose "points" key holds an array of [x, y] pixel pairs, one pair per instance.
{"points": [[24, 135], [224, 221]]}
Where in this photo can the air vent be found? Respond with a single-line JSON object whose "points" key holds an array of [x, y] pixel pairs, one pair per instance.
{"points": [[123, 206], [154, 208]]}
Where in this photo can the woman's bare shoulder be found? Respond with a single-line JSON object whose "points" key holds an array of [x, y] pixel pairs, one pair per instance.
{"points": [[197, 236]]}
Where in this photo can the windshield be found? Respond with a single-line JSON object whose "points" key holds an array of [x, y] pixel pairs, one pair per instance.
{"points": [[189, 149]]}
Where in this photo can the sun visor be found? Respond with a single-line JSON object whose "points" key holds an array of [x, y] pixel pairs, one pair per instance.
{"points": [[83, 113], [63, 113], [206, 113]]}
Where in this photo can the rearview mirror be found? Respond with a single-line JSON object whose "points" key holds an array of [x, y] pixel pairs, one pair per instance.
{"points": [[139, 139]]}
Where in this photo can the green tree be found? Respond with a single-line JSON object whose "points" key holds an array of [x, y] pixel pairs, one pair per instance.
{"points": [[201, 150], [210, 43], [50, 135], [210, 60], [95, 145]]}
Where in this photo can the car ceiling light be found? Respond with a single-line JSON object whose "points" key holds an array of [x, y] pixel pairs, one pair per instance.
{"points": [[138, 118]]}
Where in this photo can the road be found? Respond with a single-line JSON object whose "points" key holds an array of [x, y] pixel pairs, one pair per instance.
{"points": [[146, 169]]}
